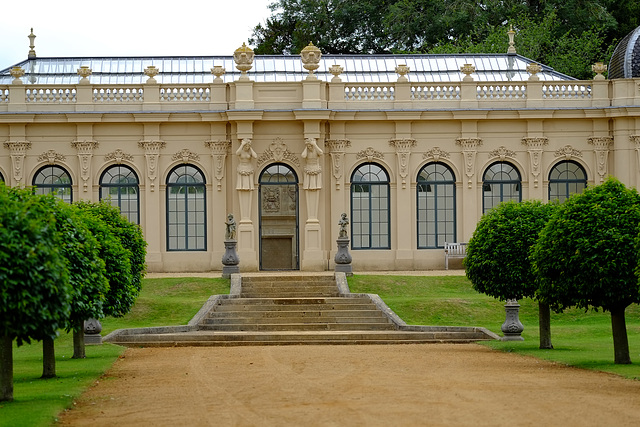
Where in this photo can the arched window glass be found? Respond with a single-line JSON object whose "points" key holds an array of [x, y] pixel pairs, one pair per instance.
{"points": [[186, 210], [436, 202], [501, 183], [1, 177], [278, 174], [565, 179], [54, 180], [119, 186], [370, 219]]}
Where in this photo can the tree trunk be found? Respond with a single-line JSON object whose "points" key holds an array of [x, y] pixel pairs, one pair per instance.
{"points": [[6, 368], [544, 322], [620, 340], [48, 358], [78, 342]]}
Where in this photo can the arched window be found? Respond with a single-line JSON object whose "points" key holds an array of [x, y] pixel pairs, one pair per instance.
{"points": [[370, 219], [186, 210], [54, 180], [501, 183], [566, 178], [436, 201], [119, 186], [1, 177]]}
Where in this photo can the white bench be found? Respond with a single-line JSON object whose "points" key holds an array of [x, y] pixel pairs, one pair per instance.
{"points": [[453, 250]]}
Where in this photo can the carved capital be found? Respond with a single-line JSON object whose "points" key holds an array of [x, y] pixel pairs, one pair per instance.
{"points": [[535, 148], [469, 152], [535, 143], [600, 142], [469, 143], [403, 152], [403, 144], [219, 151], [337, 145], [337, 149], [152, 153], [601, 147], [85, 153], [18, 151]]}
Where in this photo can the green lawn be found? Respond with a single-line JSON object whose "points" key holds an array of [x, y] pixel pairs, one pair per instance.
{"points": [[37, 402], [580, 338]]}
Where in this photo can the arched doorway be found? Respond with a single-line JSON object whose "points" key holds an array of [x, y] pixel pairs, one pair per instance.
{"points": [[278, 210]]}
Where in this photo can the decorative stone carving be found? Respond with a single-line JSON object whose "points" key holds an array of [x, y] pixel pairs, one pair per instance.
{"points": [[152, 153], [243, 57], [535, 155], [312, 169], [533, 69], [467, 70], [512, 327], [271, 199], [436, 154], [502, 153], [343, 257], [18, 151], [278, 151], [635, 139], [245, 165], [469, 152], [84, 71], [85, 153], [369, 153], [185, 156], [403, 152], [218, 71], [512, 43], [337, 149], [219, 150], [51, 157], [118, 156], [310, 56], [336, 70], [601, 144], [151, 71], [230, 259], [16, 73], [598, 68], [567, 152], [402, 70]]}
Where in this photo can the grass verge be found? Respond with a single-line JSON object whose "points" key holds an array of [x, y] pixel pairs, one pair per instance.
{"points": [[581, 339], [37, 402]]}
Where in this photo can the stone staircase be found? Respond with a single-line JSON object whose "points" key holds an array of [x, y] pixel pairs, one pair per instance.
{"points": [[276, 309]]}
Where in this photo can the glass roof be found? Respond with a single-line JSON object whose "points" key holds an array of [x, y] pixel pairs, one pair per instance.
{"points": [[280, 68]]}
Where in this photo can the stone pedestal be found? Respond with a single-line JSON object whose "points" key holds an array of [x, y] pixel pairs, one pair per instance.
{"points": [[512, 328], [230, 259], [343, 257], [92, 329]]}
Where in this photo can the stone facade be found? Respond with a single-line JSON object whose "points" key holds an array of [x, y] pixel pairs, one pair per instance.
{"points": [[371, 150]]}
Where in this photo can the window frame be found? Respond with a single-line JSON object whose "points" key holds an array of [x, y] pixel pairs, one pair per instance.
{"points": [[566, 182], [369, 224], [189, 245], [434, 186], [119, 187], [501, 183], [53, 188]]}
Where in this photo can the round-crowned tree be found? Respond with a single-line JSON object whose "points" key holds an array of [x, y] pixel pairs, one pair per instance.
{"points": [[34, 281], [497, 261], [587, 256]]}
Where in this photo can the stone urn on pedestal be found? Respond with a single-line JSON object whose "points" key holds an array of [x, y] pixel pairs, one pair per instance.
{"points": [[92, 329], [343, 257], [230, 259], [512, 328]]}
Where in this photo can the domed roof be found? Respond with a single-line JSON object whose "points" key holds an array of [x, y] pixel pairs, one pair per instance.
{"points": [[625, 61]]}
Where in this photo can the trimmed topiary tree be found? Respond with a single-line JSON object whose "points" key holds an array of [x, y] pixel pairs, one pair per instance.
{"points": [[587, 256], [497, 261], [34, 281]]}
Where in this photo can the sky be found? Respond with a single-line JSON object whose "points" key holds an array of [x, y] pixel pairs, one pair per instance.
{"points": [[127, 27]]}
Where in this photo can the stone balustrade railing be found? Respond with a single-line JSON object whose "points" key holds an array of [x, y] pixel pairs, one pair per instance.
{"points": [[322, 95]]}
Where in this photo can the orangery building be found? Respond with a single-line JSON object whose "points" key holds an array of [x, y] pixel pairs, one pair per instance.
{"points": [[413, 148]]}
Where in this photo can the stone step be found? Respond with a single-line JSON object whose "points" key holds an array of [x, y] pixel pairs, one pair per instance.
{"points": [[218, 338], [250, 320], [284, 315], [290, 293], [324, 326]]}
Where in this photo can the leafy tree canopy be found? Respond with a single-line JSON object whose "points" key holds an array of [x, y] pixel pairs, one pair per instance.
{"points": [[497, 261], [564, 34]]}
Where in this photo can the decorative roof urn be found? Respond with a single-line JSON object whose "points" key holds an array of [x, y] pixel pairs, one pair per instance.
{"points": [[402, 70], [243, 57], [336, 70], [218, 71], [84, 71], [467, 70], [310, 59], [16, 73], [598, 68], [151, 71], [533, 69]]}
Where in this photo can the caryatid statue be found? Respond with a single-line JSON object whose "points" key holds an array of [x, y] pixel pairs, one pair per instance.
{"points": [[245, 167], [312, 169]]}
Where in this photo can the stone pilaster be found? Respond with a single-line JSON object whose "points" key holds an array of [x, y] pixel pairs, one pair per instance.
{"points": [[219, 151], [403, 152], [85, 154], [535, 149], [152, 154], [601, 148], [337, 149], [469, 153]]}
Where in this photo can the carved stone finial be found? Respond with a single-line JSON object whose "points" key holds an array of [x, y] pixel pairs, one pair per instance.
{"points": [[310, 59], [243, 57], [218, 71], [84, 71], [467, 70], [151, 71], [32, 46], [16, 73], [336, 70], [599, 68], [402, 70], [512, 43], [533, 69]]}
